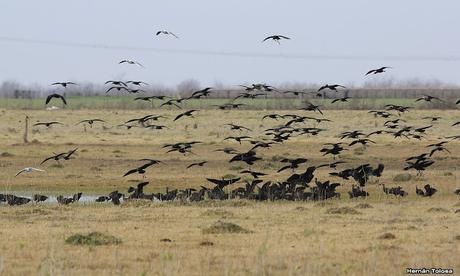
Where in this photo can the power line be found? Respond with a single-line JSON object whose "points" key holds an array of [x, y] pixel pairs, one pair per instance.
{"points": [[299, 56]]}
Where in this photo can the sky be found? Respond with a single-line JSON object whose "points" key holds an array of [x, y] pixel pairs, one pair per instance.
{"points": [[221, 41]]}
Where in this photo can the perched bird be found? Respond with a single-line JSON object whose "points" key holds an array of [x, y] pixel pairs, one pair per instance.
{"points": [[64, 84], [57, 96], [29, 170], [276, 38], [378, 70], [166, 33], [39, 198]]}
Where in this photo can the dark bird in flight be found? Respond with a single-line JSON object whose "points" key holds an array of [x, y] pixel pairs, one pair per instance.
{"points": [[276, 38], [201, 93], [378, 70], [253, 173], [331, 87], [141, 169], [427, 98], [47, 124], [186, 113], [115, 82], [118, 88], [273, 116], [312, 107], [295, 93], [64, 84], [237, 138], [57, 96], [91, 122], [132, 62], [247, 157], [137, 83], [200, 164], [222, 183], [228, 150], [166, 33], [344, 99], [293, 163], [237, 127], [458, 101], [137, 192]]}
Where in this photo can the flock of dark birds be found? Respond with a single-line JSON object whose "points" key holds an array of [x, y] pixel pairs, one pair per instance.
{"points": [[298, 186]]}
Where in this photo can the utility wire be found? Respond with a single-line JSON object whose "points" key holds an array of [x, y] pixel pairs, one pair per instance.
{"points": [[298, 56]]}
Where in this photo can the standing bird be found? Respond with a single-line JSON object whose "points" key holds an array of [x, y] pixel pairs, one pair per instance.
{"points": [[166, 33], [57, 96], [276, 38], [64, 84], [378, 71], [29, 170]]}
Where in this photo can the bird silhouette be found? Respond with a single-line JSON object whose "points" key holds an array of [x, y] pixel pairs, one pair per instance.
{"points": [[57, 96], [64, 84], [275, 38], [378, 70]]}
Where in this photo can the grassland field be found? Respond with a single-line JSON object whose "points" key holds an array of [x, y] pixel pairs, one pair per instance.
{"points": [[380, 235]]}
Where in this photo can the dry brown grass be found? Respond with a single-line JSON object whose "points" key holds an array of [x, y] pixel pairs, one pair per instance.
{"points": [[284, 237]]}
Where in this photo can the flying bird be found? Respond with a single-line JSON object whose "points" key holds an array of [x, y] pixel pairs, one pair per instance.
{"points": [[200, 164], [186, 113], [133, 62], [166, 33], [29, 170], [57, 96], [331, 87], [276, 38], [47, 124], [378, 70], [64, 84]]}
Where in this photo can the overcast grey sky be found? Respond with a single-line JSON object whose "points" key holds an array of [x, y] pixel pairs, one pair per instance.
{"points": [[332, 41]]}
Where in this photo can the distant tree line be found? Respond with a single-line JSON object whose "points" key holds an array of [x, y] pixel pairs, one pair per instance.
{"points": [[383, 88]]}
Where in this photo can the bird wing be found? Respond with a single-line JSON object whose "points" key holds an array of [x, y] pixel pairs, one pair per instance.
{"points": [[63, 99], [285, 37], [130, 172], [48, 99], [371, 71], [21, 171]]}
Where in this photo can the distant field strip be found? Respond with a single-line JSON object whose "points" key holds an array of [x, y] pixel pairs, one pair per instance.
{"points": [[127, 102]]}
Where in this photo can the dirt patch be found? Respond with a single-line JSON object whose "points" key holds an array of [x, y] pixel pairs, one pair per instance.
{"points": [[387, 236], [342, 211], [438, 210], [206, 243], [402, 177], [221, 227], [92, 239], [363, 206], [218, 212]]}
